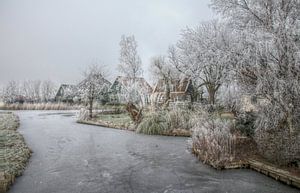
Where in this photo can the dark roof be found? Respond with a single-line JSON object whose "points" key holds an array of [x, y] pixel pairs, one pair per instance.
{"points": [[69, 90]]}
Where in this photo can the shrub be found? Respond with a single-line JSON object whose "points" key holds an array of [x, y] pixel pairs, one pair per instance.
{"points": [[179, 119], [154, 124], [213, 141], [245, 124], [274, 136]]}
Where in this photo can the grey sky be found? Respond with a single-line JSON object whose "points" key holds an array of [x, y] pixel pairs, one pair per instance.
{"points": [[56, 39]]}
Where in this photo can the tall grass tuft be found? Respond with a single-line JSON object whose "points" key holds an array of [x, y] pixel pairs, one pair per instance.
{"points": [[153, 124], [213, 141], [179, 119]]}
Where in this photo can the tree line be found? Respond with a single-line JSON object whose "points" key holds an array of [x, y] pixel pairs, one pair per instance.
{"points": [[29, 91]]}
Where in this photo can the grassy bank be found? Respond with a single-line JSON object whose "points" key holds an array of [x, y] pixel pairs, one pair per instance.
{"points": [[14, 153], [153, 123]]}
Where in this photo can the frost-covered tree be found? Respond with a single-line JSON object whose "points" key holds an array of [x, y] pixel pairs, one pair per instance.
{"points": [[31, 90], [162, 69], [37, 90], [203, 55], [130, 63], [269, 66], [230, 97], [93, 85], [48, 90], [11, 92]]}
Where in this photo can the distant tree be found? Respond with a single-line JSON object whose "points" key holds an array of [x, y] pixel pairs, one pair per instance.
{"points": [[130, 63], [47, 90], [31, 90], [11, 92], [36, 84], [93, 85]]}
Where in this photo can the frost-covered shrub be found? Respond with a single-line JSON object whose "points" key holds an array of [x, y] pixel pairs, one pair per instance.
{"points": [[163, 122], [179, 119], [83, 115], [245, 123], [154, 124], [275, 136], [213, 141]]}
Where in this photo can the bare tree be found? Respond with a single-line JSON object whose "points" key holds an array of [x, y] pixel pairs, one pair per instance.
{"points": [[31, 90], [47, 90], [37, 90], [162, 70], [131, 66], [93, 85], [130, 62], [202, 54], [11, 92]]}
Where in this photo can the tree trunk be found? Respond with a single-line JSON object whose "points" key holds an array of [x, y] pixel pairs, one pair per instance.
{"points": [[211, 92], [91, 108], [135, 113], [167, 93]]}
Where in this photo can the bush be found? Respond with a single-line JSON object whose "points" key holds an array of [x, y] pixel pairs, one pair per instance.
{"points": [[274, 137], [245, 124], [179, 119], [154, 124], [213, 141]]}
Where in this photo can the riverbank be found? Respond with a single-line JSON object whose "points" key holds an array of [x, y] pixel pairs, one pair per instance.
{"points": [[247, 157], [243, 150], [14, 153], [123, 122]]}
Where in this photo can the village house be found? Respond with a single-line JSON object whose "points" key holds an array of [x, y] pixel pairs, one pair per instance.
{"points": [[67, 93], [181, 90], [124, 89]]}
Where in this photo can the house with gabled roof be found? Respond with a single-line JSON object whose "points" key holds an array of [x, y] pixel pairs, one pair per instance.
{"points": [[66, 93], [181, 90]]}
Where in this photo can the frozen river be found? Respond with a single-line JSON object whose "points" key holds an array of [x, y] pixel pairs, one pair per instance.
{"points": [[72, 158]]}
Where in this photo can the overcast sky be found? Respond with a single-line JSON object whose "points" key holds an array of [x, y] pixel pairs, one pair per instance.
{"points": [[57, 39]]}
